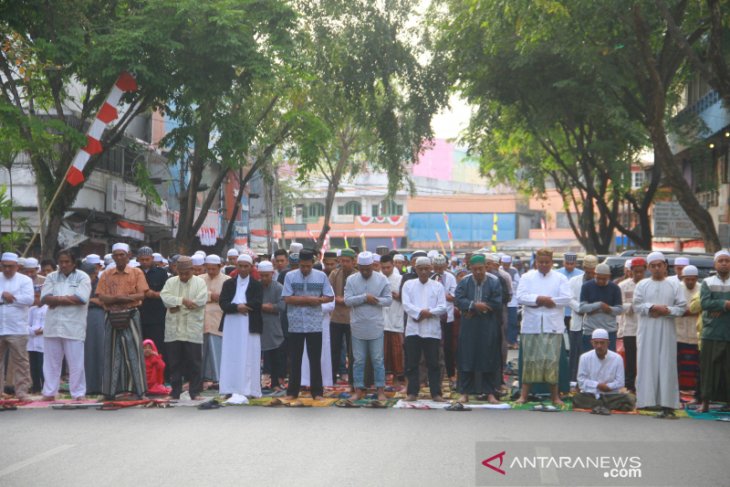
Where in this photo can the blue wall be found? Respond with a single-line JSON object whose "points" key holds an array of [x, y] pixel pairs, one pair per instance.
{"points": [[466, 227]]}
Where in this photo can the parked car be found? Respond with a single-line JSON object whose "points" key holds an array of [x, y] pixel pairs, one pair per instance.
{"points": [[705, 263]]}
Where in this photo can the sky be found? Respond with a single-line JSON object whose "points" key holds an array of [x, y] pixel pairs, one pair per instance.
{"points": [[449, 123]]}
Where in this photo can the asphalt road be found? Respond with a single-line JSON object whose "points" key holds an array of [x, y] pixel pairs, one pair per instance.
{"points": [[332, 446]]}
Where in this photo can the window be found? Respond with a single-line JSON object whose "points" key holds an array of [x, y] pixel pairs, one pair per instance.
{"points": [[288, 212], [316, 210], [387, 207], [561, 220], [637, 179], [350, 208]]}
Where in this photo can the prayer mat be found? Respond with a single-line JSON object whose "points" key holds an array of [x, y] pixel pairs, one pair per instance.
{"points": [[426, 404], [613, 411], [306, 401], [710, 415], [389, 402], [680, 413], [688, 365], [529, 405]]}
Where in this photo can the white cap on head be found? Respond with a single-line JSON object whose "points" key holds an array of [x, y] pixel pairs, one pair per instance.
{"points": [[599, 334], [690, 270], [21, 261], [295, 247], [165, 261], [506, 259], [432, 254], [492, 258], [421, 261], [198, 259], [156, 257], [721, 253], [212, 259], [120, 246], [627, 264], [265, 266], [365, 258], [232, 253], [108, 259], [655, 256], [603, 269], [399, 257], [30, 263], [376, 257], [199, 252], [245, 258], [681, 261], [92, 259], [10, 257]]}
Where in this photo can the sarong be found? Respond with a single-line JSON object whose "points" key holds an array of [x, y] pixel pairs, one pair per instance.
{"points": [[212, 348], [124, 368], [540, 357]]}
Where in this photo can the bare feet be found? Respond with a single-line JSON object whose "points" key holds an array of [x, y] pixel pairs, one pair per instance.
{"points": [[704, 407], [355, 396], [48, 398], [557, 402], [80, 398], [464, 398], [521, 401], [438, 399], [491, 399], [289, 398], [411, 398], [318, 398]]}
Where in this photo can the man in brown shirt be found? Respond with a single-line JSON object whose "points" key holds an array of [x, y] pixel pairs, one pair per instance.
{"points": [[340, 320], [123, 288]]}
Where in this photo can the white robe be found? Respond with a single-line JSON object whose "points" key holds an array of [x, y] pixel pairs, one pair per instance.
{"points": [[241, 352], [326, 359], [657, 383]]}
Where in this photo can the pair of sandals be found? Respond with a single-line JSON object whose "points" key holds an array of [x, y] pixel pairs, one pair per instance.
{"points": [[601, 410], [545, 408]]}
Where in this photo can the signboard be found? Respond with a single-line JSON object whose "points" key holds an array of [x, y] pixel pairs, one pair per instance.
{"points": [[670, 221]]}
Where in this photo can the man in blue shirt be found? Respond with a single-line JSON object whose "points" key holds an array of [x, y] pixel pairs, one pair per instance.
{"points": [[305, 291]]}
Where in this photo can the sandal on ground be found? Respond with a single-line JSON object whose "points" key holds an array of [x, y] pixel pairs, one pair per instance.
{"points": [[457, 406], [346, 403], [212, 404], [376, 405], [295, 404]]}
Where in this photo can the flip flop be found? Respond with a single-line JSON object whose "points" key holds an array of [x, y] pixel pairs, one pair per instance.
{"points": [[275, 402], [457, 406], [376, 405], [538, 407], [212, 404], [346, 403], [296, 404]]}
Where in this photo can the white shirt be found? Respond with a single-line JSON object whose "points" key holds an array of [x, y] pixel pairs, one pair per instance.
{"points": [[540, 319], [593, 371], [628, 322], [418, 296], [576, 319], [393, 314], [37, 316], [515, 282], [14, 317], [67, 321], [448, 281]]}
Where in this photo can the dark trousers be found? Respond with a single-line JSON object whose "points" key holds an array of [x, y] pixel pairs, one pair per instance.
{"points": [[314, 353], [513, 327], [576, 349], [489, 382], [337, 331], [275, 364], [630, 353], [429, 347], [184, 359], [36, 370], [449, 358]]}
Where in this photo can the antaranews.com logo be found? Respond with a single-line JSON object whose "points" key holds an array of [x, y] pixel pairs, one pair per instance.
{"points": [[620, 467]]}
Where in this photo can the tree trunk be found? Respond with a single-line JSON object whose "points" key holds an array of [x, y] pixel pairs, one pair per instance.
{"points": [[334, 186]]}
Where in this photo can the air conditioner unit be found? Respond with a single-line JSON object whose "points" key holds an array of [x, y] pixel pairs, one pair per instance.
{"points": [[115, 197]]}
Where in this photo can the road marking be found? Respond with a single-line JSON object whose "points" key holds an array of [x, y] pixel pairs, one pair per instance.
{"points": [[548, 476], [30, 461]]}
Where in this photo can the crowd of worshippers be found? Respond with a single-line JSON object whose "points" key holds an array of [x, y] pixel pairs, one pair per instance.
{"points": [[123, 325]]}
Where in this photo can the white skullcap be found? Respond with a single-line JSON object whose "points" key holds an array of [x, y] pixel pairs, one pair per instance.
{"points": [[365, 258], [212, 259], [603, 269], [506, 259], [599, 334], [265, 266], [199, 252], [681, 261], [432, 254], [655, 256], [376, 257], [690, 270], [295, 247], [627, 264], [92, 259], [440, 260], [245, 258], [232, 253], [721, 253], [492, 258], [30, 263], [198, 259], [156, 257], [399, 257], [108, 259], [21, 261], [10, 256], [120, 246], [165, 261], [423, 261]]}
